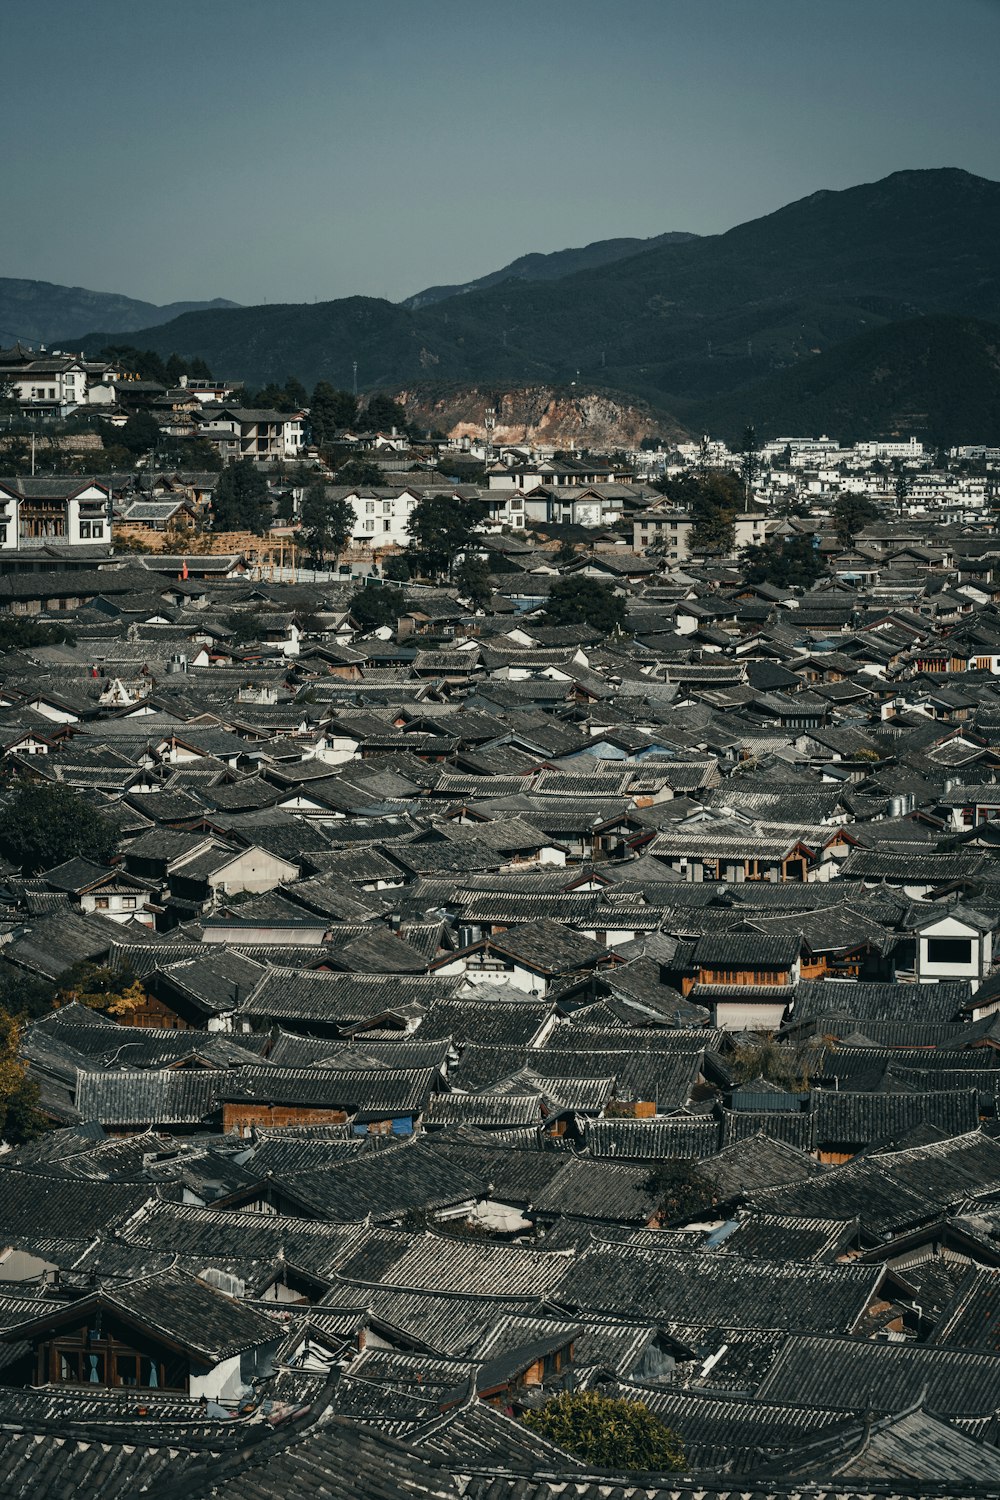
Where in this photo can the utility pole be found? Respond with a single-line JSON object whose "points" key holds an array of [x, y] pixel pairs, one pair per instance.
{"points": [[354, 367]]}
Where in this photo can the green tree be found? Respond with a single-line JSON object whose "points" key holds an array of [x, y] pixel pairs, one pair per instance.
{"points": [[791, 563], [766, 1058], [140, 434], [146, 364], [45, 824], [19, 1116], [749, 463], [442, 526], [240, 499], [680, 1190], [373, 607], [329, 411], [472, 578], [360, 471], [397, 568], [17, 634], [608, 1433], [713, 508], [851, 514], [902, 484], [382, 413], [585, 601], [10, 403], [326, 522]]}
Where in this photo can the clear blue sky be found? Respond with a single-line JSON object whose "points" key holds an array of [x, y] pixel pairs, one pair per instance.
{"points": [[285, 150]]}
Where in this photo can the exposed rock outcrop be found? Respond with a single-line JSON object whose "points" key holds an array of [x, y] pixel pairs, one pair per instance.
{"points": [[564, 416]]}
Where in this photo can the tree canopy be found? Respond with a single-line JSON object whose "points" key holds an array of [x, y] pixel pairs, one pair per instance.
{"points": [[45, 824], [585, 601], [791, 563], [608, 1433], [19, 1117], [240, 500], [441, 526], [330, 410], [851, 514], [472, 578], [326, 522], [373, 607]]}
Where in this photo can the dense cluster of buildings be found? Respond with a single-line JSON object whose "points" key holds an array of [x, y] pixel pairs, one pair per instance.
{"points": [[510, 1008]]}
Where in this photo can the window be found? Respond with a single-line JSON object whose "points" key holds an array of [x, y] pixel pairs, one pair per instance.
{"points": [[84, 530], [128, 902], [949, 951], [97, 529], [386, 525], [3, 534], [102, 902]]}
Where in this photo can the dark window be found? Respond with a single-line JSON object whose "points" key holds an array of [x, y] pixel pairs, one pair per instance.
{"points": [[949, 950]]}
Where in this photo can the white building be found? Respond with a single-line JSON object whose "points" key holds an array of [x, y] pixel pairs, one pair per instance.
{"points": [[244, 432], [61, 509]]}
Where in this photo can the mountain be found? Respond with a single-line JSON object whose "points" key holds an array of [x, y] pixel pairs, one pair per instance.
{"points": [[566, 417], [679, 325], [937, 379], [39, 312], [559, 263]]}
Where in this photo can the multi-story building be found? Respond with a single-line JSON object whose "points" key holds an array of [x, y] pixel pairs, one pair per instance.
{"points": [[60, 509], [244, 432]]}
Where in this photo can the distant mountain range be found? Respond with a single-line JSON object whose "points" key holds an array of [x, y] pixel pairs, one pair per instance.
{"points": [[553, 267], [699, 328], [936, 378], [39, 312]]}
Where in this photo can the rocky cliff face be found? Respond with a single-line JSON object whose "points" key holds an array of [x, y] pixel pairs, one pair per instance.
{"points": [[563, 416]]}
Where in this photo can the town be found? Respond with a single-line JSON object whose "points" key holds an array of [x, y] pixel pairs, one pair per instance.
{"points": [[498, 951]]}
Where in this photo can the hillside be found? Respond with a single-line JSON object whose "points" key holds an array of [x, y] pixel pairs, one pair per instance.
{"points": [[552, 267], [937, 379], [566, 416], [678, 324], [40, 312]]}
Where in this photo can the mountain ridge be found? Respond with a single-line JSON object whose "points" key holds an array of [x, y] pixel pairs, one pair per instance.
{"points": [[551, 266], [680, 325], [46, 312]]}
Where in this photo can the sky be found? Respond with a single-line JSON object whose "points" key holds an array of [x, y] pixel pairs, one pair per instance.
{"points": [[300, 150]]}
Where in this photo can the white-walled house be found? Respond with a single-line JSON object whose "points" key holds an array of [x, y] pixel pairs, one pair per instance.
{"points": [[245, 432], [956, 943], [64, 509]]}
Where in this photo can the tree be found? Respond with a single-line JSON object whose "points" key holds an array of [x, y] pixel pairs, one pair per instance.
{"points": [[373, 607], [713, 510], [680, 1190], [326, 522], [140, 433], [851, 514], [608, 1433], [585, 601], [791, 563], [46, 824], [749, 463], [381, 412], [240, 499], [19, 1116], [10, 402], [902, 484], [473, 580], [767, 1058], [100, 988], [16, 634], [441, 526], [360, 471], [397, 568], [330, 410]]}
